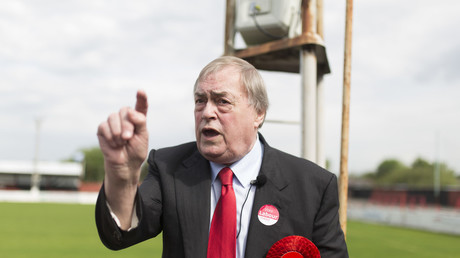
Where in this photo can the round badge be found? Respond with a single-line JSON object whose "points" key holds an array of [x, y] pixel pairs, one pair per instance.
{"points": [[268, 215]]}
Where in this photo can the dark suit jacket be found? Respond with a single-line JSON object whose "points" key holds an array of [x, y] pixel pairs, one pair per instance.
{"points": [[175, 199]]}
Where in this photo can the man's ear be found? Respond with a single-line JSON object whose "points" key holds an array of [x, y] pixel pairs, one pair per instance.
{"points": [[259, 119]]}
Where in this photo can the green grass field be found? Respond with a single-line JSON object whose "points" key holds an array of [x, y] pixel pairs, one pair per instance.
{"points": [[379, 241], [69, 230], [58, 230]]}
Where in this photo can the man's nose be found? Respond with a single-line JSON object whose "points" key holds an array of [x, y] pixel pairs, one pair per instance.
{"points": [[209, 111]]}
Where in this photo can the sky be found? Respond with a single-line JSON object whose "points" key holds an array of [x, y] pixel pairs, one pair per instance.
{"points": [[69, 64]]}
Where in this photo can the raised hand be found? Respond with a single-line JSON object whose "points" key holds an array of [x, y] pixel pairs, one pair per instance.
{"points": [[123, 139]]}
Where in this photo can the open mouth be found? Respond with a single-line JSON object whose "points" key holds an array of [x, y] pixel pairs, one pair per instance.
{"points": [[210, 132]]}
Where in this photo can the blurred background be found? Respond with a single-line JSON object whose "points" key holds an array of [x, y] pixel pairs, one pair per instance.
{"points": [[70, 64], [66, 65]]}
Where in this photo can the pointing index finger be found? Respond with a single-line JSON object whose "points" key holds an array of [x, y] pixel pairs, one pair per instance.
{"points": [[142, 104]]}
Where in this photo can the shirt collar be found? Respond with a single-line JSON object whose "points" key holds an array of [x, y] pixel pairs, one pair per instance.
{"points": [[245, 169]]}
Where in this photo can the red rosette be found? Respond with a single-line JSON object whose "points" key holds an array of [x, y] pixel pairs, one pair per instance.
{"points": [[293, 247]]}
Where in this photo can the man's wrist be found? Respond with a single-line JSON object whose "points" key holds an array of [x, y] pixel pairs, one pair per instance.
{"points": [[134, 218]]}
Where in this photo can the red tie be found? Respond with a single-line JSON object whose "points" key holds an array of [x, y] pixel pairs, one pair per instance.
{"points": [[222, 237]]}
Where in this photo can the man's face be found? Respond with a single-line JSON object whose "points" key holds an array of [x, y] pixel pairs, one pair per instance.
{"points": [[225, 124]]}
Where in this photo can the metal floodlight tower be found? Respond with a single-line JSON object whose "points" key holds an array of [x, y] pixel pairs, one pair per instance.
{"points": [[302, 53], [282, 35]]}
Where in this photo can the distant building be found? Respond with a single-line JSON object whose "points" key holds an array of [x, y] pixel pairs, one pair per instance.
{"points": [[53, 175]]}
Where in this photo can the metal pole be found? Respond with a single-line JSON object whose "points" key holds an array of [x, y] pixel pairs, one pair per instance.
{"points": [[308, 93], [320, 154], [343, 178], [286, 122], [319, 18], [229, 39], [437, 172], [308, 72], [35, 177]]}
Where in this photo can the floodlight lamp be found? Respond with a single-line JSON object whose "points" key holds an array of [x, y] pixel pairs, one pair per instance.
{"points": [[260, 21]]}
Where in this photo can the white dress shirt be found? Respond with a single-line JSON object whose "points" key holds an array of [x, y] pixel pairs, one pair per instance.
{"points": [[245, 170]]}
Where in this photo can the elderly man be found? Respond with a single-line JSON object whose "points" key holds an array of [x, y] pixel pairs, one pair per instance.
{"points": [[229, 194]]}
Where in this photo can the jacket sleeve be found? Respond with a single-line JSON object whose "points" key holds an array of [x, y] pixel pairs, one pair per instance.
{"points": [[328, 234], [148, 208], [110, 234]]}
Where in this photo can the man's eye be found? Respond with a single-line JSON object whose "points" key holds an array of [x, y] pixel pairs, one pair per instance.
{"points": [[223, 102], [199, 101]]}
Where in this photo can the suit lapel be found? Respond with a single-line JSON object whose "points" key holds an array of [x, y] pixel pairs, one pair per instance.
{"points": [[192, 184], [260, 236]]}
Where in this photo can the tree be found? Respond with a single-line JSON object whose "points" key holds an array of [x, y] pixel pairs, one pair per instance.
{"points": [[388, 166], [420, 163], [144, 171], [419, 175], [94, 164]]}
